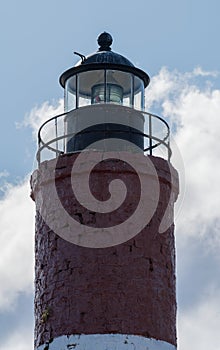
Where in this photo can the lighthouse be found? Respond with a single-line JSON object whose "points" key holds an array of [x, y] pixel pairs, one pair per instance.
{"points": [[104, 191]]}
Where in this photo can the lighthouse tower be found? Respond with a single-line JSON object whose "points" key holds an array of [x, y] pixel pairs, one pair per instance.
{"points": [[104, 191]]}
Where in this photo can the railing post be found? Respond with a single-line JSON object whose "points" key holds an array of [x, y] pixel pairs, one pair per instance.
{"points": [[105, 84], [64, 133], [150, 134], [56, 133], [77, 91], [169, 150], [39, 152], [38, 159], [132, 91]]}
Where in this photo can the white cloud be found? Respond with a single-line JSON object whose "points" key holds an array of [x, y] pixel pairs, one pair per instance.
{"points": [[198, 140], [39, 114], [16, 235], [17, 212], [193, 112], [21, 339], [192, 108], [199, 326], [160, 87], [51, 130], [198, 71], [4, 174]]}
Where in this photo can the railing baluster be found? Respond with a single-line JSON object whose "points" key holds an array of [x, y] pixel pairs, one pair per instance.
{"points": [[150, 134], [169, 150], [56, 133], [64, 133]]}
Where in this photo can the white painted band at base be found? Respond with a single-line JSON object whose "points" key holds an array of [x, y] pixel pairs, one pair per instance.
{"points": [[106, 342]]}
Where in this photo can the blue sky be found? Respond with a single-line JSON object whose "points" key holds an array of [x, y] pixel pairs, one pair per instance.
{"points": [[37, 44]]}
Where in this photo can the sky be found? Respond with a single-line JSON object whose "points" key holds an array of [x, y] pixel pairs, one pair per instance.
{"points": [[177, 43]]}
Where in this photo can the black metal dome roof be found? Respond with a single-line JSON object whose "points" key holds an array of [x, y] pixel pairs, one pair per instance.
{"points": [[104, 58], [107, 57], [104, 53]]}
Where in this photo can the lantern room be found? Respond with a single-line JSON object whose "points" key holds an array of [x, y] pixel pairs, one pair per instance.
{"points": [[104, 109], [104, 77], [101, 79]]}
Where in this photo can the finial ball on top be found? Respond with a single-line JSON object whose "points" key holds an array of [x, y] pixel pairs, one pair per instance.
{"points": [[105, 41]]}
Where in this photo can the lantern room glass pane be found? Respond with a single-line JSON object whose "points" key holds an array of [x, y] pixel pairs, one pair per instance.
{"points": [[118, 86], [98, 93], [138, 93], [109, 93], [87, 81], [127, 101], [70, 94]]}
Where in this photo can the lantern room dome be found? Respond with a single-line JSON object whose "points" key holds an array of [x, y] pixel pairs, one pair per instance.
{"points": [[104, 58], [105, 54]]}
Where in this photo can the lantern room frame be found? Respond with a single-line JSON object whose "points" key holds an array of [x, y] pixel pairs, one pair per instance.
{"points": [[99, 73], [103, 78]]}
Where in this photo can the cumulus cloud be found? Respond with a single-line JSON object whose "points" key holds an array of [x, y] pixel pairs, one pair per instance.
{"points": [[199, 142], [16, 235], [17, 213], [199, 327], [201, 149], [193, 112], [21, 339], [3, 182], [198, 71], [51, 130], [192, 106], [3, 174], [39, 114]]}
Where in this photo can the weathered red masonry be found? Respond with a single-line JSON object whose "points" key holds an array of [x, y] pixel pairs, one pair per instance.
{"points": [[125, 289]]}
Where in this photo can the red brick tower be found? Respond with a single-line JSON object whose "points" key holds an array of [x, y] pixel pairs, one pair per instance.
{"points": [[104, 193]]}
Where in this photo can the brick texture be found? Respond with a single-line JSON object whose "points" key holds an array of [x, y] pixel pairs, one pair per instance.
{"points": [[125, 289]]}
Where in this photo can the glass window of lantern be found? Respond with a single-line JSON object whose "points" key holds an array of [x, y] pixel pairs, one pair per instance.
{"points": [[91, 86], [70, 94], [118, 87], [138, 93], [100, 86]]}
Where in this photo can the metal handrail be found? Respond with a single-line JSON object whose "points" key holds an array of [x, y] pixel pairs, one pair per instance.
{"points": [[47, 144]]}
